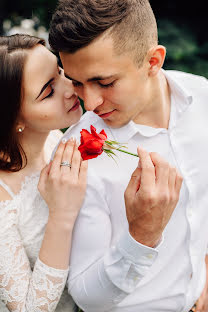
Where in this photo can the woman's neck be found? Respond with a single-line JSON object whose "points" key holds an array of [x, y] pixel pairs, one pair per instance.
{"points": [[33, 144]]}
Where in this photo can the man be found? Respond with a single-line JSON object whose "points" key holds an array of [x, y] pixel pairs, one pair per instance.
{"points": [[147, 252]]}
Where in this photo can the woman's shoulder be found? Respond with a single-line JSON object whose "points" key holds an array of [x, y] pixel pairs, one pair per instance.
{"points": [[4, 195], [5, 191]]}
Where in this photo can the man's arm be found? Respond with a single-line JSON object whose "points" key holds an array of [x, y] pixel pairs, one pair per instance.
{"points": [[151, 197], [103, 275]]}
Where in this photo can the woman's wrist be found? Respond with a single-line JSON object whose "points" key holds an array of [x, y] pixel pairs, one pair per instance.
{"points": [[61, 223], [56, 245]]}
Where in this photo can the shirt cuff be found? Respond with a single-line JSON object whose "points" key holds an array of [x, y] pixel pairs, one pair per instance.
{"points": [[137, 252]]}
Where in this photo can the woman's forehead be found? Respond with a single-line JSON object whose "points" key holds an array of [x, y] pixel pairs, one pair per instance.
{"points": [[39, 68]]}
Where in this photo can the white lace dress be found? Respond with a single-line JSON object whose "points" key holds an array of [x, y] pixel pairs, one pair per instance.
{"points": [[27, 284]]}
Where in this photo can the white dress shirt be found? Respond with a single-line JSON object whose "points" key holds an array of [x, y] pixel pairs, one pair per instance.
{"points": [[109, 270]]}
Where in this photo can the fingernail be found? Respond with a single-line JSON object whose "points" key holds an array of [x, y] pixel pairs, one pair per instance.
{"points": [[64, 140]]}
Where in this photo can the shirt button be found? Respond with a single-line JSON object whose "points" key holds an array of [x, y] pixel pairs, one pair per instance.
{"points": [[190, 213], [150, 256]]}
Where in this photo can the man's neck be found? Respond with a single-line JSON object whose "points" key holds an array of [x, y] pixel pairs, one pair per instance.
{"points": [[157, 111]]}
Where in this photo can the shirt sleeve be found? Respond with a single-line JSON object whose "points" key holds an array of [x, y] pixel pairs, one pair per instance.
{"points": [[22, 289], [102, 274]]}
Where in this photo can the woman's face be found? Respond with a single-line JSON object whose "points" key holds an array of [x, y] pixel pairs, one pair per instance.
{"points": [[49, 101]]}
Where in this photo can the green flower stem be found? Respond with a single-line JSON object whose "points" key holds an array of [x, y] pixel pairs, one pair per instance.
{"points": [[120, 150]]}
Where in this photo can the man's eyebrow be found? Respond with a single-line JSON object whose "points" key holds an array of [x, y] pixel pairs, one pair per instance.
{"points": [[44, 87], [96, 78]]}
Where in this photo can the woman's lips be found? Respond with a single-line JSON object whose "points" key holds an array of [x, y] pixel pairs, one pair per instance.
{"points": [[75, 106]]}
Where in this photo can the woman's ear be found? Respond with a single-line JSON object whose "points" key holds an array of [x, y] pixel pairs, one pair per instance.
{"points": [[156, 58]]}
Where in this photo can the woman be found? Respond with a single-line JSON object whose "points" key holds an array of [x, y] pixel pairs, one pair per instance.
{"points": [[35, 235]]}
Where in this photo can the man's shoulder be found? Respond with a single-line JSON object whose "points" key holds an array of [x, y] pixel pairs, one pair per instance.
{"points": [[188, 80]]}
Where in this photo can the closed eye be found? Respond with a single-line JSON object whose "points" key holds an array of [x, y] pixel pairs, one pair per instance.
{"points": [[106, 85], [76, 83], [50, 94]]}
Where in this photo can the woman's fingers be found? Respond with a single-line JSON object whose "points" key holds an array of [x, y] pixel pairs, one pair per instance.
{"points": [[55, 166], [83, 172], [76, 163], [44, 175], [67, 156]]}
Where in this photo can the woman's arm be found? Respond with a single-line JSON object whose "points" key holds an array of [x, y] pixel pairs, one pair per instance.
{"points": [[20, 288]]}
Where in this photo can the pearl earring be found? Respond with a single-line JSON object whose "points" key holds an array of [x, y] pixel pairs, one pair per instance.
{"points": [[20, 130]]}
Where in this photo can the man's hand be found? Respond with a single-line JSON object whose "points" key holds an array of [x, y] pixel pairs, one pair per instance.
{"points": [[202, 303], [151, 197]]}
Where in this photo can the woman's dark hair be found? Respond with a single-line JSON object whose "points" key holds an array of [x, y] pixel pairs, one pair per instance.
{"points": [[13, 54]]}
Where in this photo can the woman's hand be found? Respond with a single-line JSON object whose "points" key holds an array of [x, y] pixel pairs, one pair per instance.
{"points": [[63, 188]]}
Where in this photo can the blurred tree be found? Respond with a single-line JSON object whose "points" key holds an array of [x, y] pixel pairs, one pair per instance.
{"points": [[182, 28]]}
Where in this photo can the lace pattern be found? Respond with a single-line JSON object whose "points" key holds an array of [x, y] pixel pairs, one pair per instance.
{"points": [[26, 283]]}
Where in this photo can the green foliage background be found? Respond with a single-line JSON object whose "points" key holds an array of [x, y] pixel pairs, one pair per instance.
{"points": [[182, 28]]}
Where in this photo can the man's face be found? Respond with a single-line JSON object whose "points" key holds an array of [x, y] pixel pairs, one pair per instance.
{"points": [[110, 85]]}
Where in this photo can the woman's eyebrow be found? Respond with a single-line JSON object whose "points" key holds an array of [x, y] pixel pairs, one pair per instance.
{"points": [[44, 87]]}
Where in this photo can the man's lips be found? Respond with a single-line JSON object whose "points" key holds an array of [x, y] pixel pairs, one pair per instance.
{"points": [[105, 115], [76, 105]]}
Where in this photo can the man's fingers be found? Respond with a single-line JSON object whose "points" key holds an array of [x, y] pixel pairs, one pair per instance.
{"points": [[178, 183], [172, 179], [161, 169], [199, 305], [148, 169], [134, 183]]}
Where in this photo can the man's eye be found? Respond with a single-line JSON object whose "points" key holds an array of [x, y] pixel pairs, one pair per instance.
{"points": [[106, 85], [76, 83]]}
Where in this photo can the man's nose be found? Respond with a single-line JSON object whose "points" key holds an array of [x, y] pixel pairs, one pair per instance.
{"points": [[92, 99]]}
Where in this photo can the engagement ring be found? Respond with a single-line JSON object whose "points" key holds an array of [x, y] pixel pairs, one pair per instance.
{"points": [[65, 163]]}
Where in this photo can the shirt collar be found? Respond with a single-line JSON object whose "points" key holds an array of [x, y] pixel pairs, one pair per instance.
{"points": [[182, 101], [178, 90]]}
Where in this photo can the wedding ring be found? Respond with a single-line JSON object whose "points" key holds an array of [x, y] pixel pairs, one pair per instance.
{"points": [[65, 163]]}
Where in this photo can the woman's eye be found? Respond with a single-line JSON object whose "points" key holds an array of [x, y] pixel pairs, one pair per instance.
{"points": [[50, 94], [60, 70], [106, 85]]}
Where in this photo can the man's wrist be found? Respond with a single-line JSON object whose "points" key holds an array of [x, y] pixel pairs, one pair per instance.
{"points": [[146, 239]]}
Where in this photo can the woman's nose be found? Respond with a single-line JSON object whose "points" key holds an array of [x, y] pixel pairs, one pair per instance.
{"points": [[68, 94]]}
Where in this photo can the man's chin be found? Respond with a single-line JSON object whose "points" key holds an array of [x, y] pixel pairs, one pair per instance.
{"points": [[114, 124]]}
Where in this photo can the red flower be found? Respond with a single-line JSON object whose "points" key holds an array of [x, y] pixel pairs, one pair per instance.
{"points": [[91, 143]]}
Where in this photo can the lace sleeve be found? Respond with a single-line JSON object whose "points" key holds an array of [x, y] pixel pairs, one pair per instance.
{"points": [[20, 288]]}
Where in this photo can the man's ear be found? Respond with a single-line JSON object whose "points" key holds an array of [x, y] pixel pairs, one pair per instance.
{"points": [[156, 58]]}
